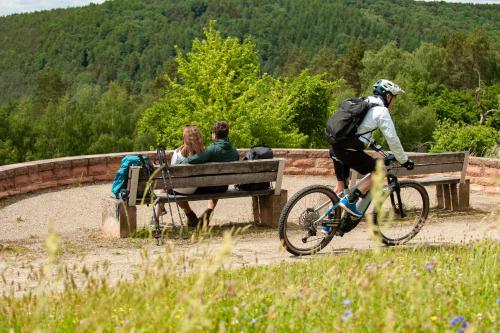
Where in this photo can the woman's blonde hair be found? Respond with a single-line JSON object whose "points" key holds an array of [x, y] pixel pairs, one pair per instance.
{"points": [[192, 141]]}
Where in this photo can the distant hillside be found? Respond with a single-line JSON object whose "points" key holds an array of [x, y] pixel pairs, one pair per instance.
{"points": [[133, 41]]}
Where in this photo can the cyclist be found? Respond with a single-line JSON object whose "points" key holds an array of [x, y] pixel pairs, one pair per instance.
{"points": [[349, 154]]}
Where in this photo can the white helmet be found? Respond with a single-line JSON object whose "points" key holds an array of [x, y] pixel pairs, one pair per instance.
{"points": [[382, 87]]}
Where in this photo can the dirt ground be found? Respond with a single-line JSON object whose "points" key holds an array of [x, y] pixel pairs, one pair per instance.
{"points": [[74, 214]]}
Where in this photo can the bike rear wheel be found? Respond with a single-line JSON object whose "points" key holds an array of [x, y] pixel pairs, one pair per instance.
{"points": [[394, 228], [296, 230]]}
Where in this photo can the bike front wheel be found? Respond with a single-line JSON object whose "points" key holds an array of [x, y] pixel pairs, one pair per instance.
{"points": [[299, 231], [401, 217]]}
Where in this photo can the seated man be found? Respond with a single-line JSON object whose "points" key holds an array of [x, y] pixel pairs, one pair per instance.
{"points": [[222, 150]]}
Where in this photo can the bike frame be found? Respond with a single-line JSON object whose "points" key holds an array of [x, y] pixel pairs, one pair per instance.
{"points": [[392, 185]]}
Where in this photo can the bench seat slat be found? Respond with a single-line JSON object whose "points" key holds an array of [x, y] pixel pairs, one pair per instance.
{"points": [[228, 179], [220, 168], [440, 158], [232, 193], [438, 180], [429, 169]]}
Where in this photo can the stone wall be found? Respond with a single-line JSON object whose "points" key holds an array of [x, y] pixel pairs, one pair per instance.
{"points": [[15, 179]]}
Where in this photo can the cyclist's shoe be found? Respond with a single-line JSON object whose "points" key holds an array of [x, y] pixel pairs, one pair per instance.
{"points": [[350, 207], [325, 230]]}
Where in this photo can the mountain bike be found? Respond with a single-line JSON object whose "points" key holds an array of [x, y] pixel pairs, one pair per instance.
{"points": [[404, 209]]}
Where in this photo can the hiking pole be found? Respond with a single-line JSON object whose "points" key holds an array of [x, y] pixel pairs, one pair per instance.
{"points": [[167, 167], [168, 184]]}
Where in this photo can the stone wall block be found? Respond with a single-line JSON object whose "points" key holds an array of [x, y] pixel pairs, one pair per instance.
{"points": [[21, 171], [319, 154], [46, 175], [7, 184], [293, 171], [79, 172], [297, 154], [324, 163], [63, 173], [317, 171], [303, 163], [80, 162], [44, 166], [22, 180], [98, 169], [8, 173]]}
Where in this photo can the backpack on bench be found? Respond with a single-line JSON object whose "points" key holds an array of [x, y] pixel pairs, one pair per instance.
{"points": [[256, 153], [119, 186]]}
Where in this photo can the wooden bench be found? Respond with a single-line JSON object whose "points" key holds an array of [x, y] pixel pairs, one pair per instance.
{"points": [[452, 191], [266, 204]]}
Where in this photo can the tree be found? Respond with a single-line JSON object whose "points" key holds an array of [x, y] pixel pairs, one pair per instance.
{"points": [[219, 80], [351, 65]]}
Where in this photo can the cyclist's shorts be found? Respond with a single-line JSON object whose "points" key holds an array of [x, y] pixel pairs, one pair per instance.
{"points": [[344, 160]]}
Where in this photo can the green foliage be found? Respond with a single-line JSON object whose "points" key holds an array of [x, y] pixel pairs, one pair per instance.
{"points": [[219, 80], [309, 98], [134, 40], [456, 105], [479, 140]]}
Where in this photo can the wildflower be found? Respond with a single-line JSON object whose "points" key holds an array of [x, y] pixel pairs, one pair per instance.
{"points": [[347, 302], [498, 301], [457, 320], [347, 314], [127, 322], [460, 322], [254, 321], [434, 318], [429, 267]]}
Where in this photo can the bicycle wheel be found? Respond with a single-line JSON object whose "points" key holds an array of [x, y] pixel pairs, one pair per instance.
{"points": [[297, 232], [396, 228]]}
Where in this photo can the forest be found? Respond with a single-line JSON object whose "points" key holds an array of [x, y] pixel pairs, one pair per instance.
{"points": [[128, 75]]}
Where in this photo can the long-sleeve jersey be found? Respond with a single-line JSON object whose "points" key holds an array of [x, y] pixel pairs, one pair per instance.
{"points": [[379, 117]]}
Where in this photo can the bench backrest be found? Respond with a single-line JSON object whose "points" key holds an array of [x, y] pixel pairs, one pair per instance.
{"points": [[208, 174], [432, 163]]}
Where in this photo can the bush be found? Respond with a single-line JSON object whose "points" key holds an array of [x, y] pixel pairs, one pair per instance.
{"points": [[478, 140]]}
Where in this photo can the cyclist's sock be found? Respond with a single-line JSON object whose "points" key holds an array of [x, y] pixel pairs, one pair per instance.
{"points": [[354, 196]]}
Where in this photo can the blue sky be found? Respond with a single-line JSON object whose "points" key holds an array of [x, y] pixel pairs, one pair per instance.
{"points": [[22, 6]]}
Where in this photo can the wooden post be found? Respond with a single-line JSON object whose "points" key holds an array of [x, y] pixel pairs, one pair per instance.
{"points": [[447, 196], [454, 197], [267, 209], [463, 195], [440, 196], [118, 219]]}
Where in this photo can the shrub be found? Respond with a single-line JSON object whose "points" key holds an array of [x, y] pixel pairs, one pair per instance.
{"points": [[479, 140]]}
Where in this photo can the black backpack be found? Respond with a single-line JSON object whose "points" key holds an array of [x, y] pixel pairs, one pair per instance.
{"points": [[256, 153], [342, 125]]}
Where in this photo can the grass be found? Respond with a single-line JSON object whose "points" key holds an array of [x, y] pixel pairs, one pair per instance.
{"points": [[391, 290]]}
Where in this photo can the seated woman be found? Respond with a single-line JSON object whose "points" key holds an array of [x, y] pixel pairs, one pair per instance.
{"points": [[192, 145]]}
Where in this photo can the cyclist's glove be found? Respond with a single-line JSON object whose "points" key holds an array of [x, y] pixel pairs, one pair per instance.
{"points": [[409, 165]]}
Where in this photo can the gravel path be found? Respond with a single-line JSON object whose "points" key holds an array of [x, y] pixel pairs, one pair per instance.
{"points": [[75, 215]]}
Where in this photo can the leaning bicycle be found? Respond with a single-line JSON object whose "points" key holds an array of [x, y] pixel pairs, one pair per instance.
{"points": [[404, 210]]}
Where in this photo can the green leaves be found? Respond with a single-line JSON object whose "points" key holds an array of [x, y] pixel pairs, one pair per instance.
{"points": [[479, 140], [219, 80]]}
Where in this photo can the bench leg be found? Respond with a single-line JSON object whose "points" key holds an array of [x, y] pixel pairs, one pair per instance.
{"points": [[440, 196], [267, 209], [118, 219], [454, 197], [463, 195], [447, 196]]}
